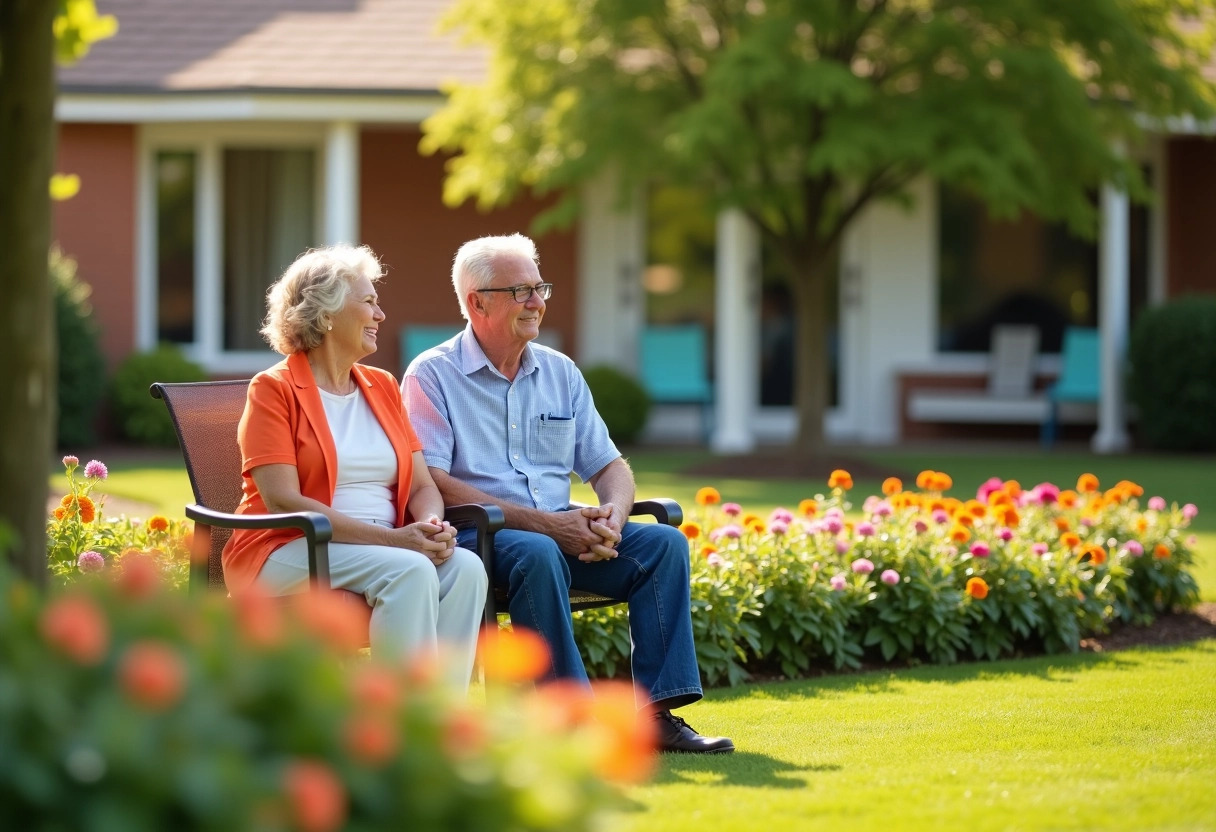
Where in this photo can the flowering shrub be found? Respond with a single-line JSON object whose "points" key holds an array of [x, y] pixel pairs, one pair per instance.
{"points": [[919, 575], [80, 539], [125, 706]]}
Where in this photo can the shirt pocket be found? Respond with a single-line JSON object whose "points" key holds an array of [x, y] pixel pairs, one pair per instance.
{"points": [[552, 443]]}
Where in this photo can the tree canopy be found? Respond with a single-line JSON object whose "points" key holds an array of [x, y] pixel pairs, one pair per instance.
{"points": [[800, 113]]}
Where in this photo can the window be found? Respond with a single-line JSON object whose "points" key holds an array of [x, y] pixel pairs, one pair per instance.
{"points": [[175, 217]]}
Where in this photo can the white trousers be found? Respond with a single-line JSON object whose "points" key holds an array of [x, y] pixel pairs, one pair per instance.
{"points": [[416, 606]]}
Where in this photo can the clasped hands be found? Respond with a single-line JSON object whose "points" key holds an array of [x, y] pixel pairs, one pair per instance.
{"points": [[432, 537], [592, 532]]}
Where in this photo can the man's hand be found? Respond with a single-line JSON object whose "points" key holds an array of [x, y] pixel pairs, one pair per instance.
{"points": [[605, 521], [573, 533]]}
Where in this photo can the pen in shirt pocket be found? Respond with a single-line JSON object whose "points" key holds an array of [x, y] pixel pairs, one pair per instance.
{"points": [[552, 417]]}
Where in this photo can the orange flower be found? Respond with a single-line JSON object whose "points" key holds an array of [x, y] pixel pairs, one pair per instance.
{"points": [[808, 508], [1067, 499], [1131, 488], [892, 486], [76, 627], [1012, 518], [999, 498], [137, 575], [335, 622], [158, 523], [937, 505], [515, 655], [1087, 483], [925, 480], [1070, 539], [708, 549], [942, 482], [1161, 551], [1141, 524], [977, 588], [60, 512], [757, 526], [1012, 487], [964, 519], [691, 530], [316, 796], [374, 687], [750, 520], [153, 675], [708, 496], [959, 533], [1096, 503], [81, 507], [1095, 553], [371, 738], [259, 617], [976, 509], [1062, 524], [841, 479], [626, 744]]}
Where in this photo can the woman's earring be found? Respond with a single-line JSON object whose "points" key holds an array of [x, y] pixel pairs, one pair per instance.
{"points": [[330, 327]]}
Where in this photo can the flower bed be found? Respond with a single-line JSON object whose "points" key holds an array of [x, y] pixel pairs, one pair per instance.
{"points": [[916, 575]]}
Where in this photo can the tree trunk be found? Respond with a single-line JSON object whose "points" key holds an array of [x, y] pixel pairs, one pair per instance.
{"points": [[27, 333], [810, 356]]}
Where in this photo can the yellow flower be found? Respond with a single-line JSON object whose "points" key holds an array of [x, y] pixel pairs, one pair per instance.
{"points": [[708, 496], [808, 508], [1070, 539], [959, 533]]}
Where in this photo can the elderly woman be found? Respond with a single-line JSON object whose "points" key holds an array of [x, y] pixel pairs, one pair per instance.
{"points": [[324, 433]]}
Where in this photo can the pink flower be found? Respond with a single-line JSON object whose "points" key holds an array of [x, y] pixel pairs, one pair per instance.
{"points": [[842, 546], [883, 509], [980, 549], [70, 462], [732, 509], [1039, 549], [813, 527], [1191, 540], [833, 524], [1047, 493], [1190, 511], [921, 526], [889, 577], [733, 531], [715, 559], [1134, 548], [1156, 503], [869, 504], [96, 470], [1005, 533], [940, 516], [865, 529], [778, 528], [90, 561], [863, 566], [1087, 521], [992, 484], [838, 581], [834, 511], [782, 515]]}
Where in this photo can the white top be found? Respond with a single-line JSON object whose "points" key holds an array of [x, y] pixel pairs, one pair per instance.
{"points": [[367, 464]]}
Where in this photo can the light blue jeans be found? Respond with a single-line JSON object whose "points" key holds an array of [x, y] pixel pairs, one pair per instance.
{"points": [[416, 606], [650, 573]]}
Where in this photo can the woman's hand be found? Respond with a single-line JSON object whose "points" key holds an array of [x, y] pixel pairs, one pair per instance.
{"points": [[432, 537]]}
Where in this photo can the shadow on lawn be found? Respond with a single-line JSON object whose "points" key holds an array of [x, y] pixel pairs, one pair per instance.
{"points": [[1060, 667], [743, 768]]}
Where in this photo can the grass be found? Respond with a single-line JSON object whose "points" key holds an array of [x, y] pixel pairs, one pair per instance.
{"points": [[1064, 742]]}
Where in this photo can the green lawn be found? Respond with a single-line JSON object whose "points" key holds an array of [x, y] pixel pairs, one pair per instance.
{"points": [[1120, 741]]}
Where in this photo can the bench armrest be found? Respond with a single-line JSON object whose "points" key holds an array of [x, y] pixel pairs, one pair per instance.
{"points": [[317, 529]]}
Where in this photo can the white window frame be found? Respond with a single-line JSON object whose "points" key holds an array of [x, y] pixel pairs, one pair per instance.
{"points": [[208, 141]]}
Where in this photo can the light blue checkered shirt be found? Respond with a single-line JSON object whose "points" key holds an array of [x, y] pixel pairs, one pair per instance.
{"points": [[516, 441]]}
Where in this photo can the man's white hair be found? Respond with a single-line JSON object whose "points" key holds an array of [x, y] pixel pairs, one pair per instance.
{"points": [[473, 267]]}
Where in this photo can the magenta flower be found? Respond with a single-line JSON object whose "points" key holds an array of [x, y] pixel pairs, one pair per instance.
{"points": [[732, 509], [96, 470], [980, 549], [778, 528], [865, 529], [921, 526], [90, 561], [70, 462], [1039, 549], [1005, 533], [889, 577], [863, 566], [940, 516], [1190, 511], [833, 524], [838, 581], [1156, 503], [1047, 493], [1134, 548], [782, 515], [992, 484], [842, 546]]}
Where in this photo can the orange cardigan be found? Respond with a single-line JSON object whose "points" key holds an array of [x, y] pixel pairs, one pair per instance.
{"points": [[284, 422]]}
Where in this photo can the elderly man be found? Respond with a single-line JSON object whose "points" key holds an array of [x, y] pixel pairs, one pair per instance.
{"points": [[505, 421]]}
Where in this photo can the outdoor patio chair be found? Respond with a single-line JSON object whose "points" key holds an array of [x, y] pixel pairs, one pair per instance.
{"points": [[205, 415], [1080, 377], [675, 368]]}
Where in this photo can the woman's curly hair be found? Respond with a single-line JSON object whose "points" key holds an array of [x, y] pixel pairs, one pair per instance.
{"points": [[300, 304]]}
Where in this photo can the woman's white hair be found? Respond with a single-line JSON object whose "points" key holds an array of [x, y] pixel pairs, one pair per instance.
{"points": [[473, 267], [301, 303]]}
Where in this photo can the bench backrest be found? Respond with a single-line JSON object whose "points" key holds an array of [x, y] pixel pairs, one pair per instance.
{"points": [[205, 415], [674, 364], [1012, 359]]}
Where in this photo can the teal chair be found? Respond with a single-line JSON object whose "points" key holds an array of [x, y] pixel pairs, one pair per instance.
{"points": [[1079, 380], [675, 367], [418, 338]]}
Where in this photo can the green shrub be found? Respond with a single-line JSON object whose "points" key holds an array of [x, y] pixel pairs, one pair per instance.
{"points": [[128, 707], [82, 367], [620, 400], [140, 417], [918, 577], [1172, 352]]}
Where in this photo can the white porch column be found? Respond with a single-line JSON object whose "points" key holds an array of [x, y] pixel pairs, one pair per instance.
{"points": [[341, 209], [611, 255], [1113, 276], [736, 347]]}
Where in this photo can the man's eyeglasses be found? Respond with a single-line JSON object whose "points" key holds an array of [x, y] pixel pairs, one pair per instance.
{"points": [[523, 294]]}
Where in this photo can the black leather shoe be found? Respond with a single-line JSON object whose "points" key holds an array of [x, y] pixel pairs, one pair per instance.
{"points": [[677, 736]]}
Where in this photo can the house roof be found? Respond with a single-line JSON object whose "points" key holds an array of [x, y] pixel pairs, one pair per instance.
{"points": [[273, 45]]}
